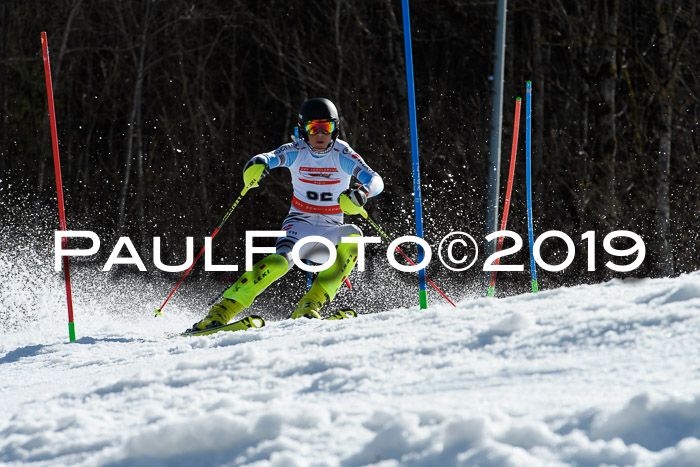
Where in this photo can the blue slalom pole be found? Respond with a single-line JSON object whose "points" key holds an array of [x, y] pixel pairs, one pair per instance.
{"points": [[422, 294], [528, 151], [309, 278]]}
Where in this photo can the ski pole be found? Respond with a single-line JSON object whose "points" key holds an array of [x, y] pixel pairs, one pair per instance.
{"points": [[361, 211], [506, 204], [250, 178]]}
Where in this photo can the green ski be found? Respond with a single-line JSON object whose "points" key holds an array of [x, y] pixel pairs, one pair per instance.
{"points": [[252, 321], [344, 313]]}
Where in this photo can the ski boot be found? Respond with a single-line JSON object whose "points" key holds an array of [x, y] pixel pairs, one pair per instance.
{"points": [[242, 294], [220, 314], [328, 282], [311, 304]]}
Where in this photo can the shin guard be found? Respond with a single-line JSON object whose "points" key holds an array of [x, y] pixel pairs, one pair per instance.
{"points": [[332, 278], [253, 282]]}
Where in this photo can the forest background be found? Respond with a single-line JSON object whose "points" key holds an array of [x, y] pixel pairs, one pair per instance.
{"points": [[160, 103]]}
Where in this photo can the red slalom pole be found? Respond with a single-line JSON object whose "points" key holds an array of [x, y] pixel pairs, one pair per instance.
{"points": [[59, 183], [506, 204]]}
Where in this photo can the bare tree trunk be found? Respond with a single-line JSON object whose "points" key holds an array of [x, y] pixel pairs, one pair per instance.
{"points": [[584, 149], [538, 101], [338, 52], [64, 39], [663, 210], [143, 189], [3, 101], [396, 68], [56, 78], [135, 117], [606, 147], [84, 170]]}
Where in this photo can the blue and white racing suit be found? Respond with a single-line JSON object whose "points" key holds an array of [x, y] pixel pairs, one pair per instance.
{"points": [[318, 180]]}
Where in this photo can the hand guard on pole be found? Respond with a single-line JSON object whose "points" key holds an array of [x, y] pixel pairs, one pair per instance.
{"points": [[353, 199], [358, 194], [253, 172]]}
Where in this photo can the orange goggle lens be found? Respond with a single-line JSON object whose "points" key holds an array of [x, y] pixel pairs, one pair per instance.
{"points": [[320, 126]]}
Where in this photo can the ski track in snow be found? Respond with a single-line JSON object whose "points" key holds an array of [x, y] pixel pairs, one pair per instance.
{"points": [[589, 375]]}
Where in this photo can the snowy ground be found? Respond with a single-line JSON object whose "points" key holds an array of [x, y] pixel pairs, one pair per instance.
{"points": [[590, 375]]}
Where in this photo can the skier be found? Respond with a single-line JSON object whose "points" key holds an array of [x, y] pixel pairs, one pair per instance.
{"points": [[322, 168]]}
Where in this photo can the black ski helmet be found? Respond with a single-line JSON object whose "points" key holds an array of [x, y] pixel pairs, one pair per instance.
{"points": [[318, 108]]}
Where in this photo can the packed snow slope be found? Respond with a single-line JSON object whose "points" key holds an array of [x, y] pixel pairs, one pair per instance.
{"points": [[604, 374]]}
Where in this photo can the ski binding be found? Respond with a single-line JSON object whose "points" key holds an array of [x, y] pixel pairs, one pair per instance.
{"points": [[252, 321]]}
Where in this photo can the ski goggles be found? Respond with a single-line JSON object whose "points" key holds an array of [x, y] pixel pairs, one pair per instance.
{"points": [[319, 126]]}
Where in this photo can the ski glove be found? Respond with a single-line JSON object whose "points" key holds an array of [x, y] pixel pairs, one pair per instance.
{"points": [[357, 194], [254, 161]]}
